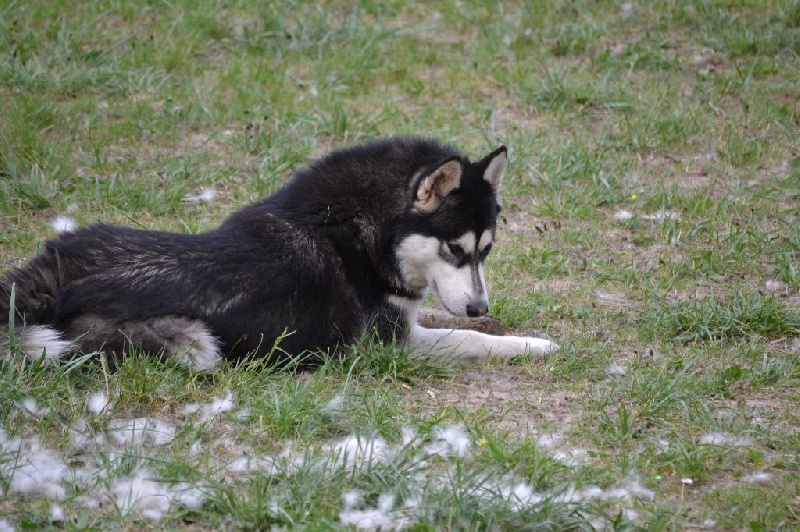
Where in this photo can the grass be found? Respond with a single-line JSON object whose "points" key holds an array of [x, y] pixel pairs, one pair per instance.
{"points": [[679, 324]]}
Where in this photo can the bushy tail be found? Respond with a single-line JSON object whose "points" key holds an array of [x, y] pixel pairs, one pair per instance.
{"points": [[27, 296], [33, 340], [10, 330], [35, 288]]}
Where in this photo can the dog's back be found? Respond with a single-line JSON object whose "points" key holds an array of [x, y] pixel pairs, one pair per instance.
{"points": [[72, 257]]}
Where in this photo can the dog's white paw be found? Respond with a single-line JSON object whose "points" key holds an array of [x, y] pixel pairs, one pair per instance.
{"points": [[514, 346], [539, 346], [507, 347]]}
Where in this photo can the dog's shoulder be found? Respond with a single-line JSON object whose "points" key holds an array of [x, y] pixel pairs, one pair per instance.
{"points": [[393, 161]]}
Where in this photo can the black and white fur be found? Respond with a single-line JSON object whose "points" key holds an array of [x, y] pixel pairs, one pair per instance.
{"points": [[351, 244]]}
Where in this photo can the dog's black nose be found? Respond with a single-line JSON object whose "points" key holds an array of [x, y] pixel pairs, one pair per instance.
{"points": [[475, 310]]}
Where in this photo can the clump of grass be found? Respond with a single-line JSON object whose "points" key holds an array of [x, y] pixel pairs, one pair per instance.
{"points": [[373, 359], [741, 314]]}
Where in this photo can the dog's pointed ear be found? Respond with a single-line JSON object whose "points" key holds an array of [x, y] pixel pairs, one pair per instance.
{"points": [[437, 184], [495, 167]]}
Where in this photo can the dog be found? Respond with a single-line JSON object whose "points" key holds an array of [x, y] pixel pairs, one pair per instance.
{"points": [[351, 245]]}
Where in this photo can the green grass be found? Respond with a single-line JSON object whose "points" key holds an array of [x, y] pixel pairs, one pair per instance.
{"points": [[679, 327]]}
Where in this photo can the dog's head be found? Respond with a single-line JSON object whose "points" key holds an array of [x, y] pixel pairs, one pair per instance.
{"points": [[449, 230]]}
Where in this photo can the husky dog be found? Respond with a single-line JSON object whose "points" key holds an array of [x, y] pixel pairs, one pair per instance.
{"points": [[351, 244]]}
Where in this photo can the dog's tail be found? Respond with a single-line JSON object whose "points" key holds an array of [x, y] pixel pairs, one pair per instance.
{"points": [[34, 288], [35, 341], [27, 296]]}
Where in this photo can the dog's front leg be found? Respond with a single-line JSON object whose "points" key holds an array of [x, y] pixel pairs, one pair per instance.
{"points": [[469, 346]]}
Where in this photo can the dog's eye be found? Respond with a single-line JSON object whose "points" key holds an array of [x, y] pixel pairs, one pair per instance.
{"points": [[486, 251], [455, 249]]}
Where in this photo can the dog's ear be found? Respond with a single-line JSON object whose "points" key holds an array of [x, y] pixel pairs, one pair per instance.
{"points": [[437, 184], [494, 166]]}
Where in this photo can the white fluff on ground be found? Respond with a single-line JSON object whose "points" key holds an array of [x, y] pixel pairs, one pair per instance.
{"points": [[758, 478], [139, 431], [56, 514], [549, 441], [142, 495], [384, 516], [96, 402], [357, 452], [335, 407], [30, 408], [617, 369], [723, 439], [449, 440], [206, 195], [252, 464], [211, 410], [31, 469], [572, 457], [659, 216], [63, 224]]}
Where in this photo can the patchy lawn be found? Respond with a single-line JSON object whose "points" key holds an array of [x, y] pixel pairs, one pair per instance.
{"points": [[650, 227]]}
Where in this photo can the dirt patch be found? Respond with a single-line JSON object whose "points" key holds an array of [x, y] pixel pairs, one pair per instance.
{"points": [[695, 173], [518, 221], [507, 119], [508, 396], [794, 300], [776, 409], [696, 293], [558, 286], [650, 258], [186, 144]]}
